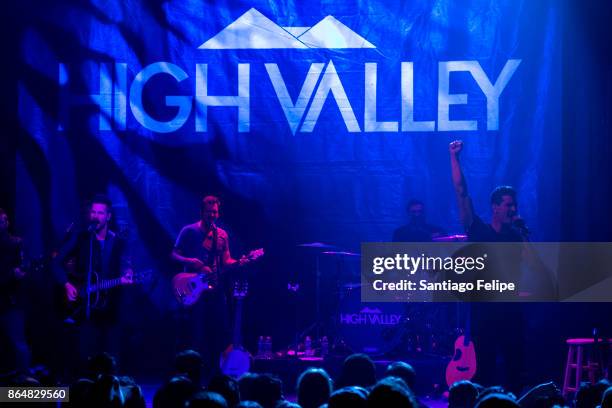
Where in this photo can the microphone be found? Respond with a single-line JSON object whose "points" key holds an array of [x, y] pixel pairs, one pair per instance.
{"points": [[213, 227], [519, 224], [93, 225]]}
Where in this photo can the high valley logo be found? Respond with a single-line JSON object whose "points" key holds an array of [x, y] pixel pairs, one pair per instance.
{"points": [[254, 31], [370, 317]]}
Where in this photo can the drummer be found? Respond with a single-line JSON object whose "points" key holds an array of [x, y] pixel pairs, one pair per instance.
{"points": [[417, 229]]}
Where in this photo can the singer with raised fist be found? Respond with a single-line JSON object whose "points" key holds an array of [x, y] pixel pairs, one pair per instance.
{"points": [[505, 226], [496, 328]]}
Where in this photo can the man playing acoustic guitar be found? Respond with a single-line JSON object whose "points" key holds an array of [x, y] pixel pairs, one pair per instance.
{"points": [[99, 254]]}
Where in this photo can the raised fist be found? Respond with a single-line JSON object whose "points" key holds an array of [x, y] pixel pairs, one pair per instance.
{"points": [[455, 147]]}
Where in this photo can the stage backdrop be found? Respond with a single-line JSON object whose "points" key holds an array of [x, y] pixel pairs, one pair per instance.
{"points": [[315, 121]]}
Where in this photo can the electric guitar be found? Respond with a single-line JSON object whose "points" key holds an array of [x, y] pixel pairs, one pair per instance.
{"points": [[463, 364], [76, 310], [189, 286], [235, 360]]}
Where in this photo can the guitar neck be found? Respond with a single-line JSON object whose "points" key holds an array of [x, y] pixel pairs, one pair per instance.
{"points": [[237, 340], [105, 285], [468, 325]]}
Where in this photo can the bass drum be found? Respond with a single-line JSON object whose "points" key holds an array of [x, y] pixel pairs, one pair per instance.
{"points": [[371, 328]]}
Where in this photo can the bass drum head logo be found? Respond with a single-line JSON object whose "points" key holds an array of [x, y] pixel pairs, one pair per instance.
{"points": [[369, 327]]}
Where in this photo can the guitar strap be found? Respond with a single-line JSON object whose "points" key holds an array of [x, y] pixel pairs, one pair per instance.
{"points": [[105, 254], [213, 249]]}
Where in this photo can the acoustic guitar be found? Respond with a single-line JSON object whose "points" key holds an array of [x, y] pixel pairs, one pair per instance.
{"points": [[76, 310], [463, 364], [235, 360]]}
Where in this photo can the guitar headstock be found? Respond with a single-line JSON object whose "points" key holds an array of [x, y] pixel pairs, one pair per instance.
{"points": [[139, 276], [255, 254], [241, 289]]}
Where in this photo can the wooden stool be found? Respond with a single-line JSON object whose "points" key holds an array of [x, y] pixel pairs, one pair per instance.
{"points": [[583, 356]]}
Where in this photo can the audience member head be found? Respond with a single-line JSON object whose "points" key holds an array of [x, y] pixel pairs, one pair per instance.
{"points": [[133, 396], [249, 404], [189, 364], [106, 392], [391, 392], [462, 394], [599, 388], [590, 395], [606, 400], [313, 388], [4, 222], [80, 393], [497, 400], [402, 370], [495, 389], [543, 395], [349, 397], [101, 364], [265, 389], [287, 404], [206, 399], [174, 393], [227, 387], [358, 369], [23, 380], [44, 375]]}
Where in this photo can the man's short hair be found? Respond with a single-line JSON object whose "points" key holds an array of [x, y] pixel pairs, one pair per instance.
{"points": [[210, 200], [412, 202], [501, 191], [101, 199], [402, 370]]}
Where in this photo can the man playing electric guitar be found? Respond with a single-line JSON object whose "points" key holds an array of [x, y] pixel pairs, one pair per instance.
{"points": [[203, 247], [89, 259]]}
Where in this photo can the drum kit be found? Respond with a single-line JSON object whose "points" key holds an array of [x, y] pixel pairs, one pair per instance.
{"points": [[382, 329]]}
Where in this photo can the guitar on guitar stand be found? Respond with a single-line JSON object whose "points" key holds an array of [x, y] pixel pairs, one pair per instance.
{"points": [[189, 286], [235, 360], [463, 364]]}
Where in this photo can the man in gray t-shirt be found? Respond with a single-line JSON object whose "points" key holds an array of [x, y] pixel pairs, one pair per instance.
{"points": [[203, 247]]}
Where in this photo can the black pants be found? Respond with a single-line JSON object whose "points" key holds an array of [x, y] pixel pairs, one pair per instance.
{"points": [[204, 328], [86, 339], [498, 330], [12, 326]]}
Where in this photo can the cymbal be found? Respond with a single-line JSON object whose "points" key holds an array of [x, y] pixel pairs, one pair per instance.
{"points": [[320, 245], [451, 238], [340, 253], [353, 285]]}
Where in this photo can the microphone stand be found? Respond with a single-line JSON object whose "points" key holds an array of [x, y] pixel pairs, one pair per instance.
{"points": [[89, 274]]}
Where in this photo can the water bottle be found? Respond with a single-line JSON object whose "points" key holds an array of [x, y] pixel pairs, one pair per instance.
{"points": [[324, 347], [268, 347], [260, 347], [308, 346]]}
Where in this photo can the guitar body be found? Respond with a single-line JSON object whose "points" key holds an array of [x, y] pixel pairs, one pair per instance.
{"points": [[76, 311], [235, 361], [188, 286], [463, 364]]}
